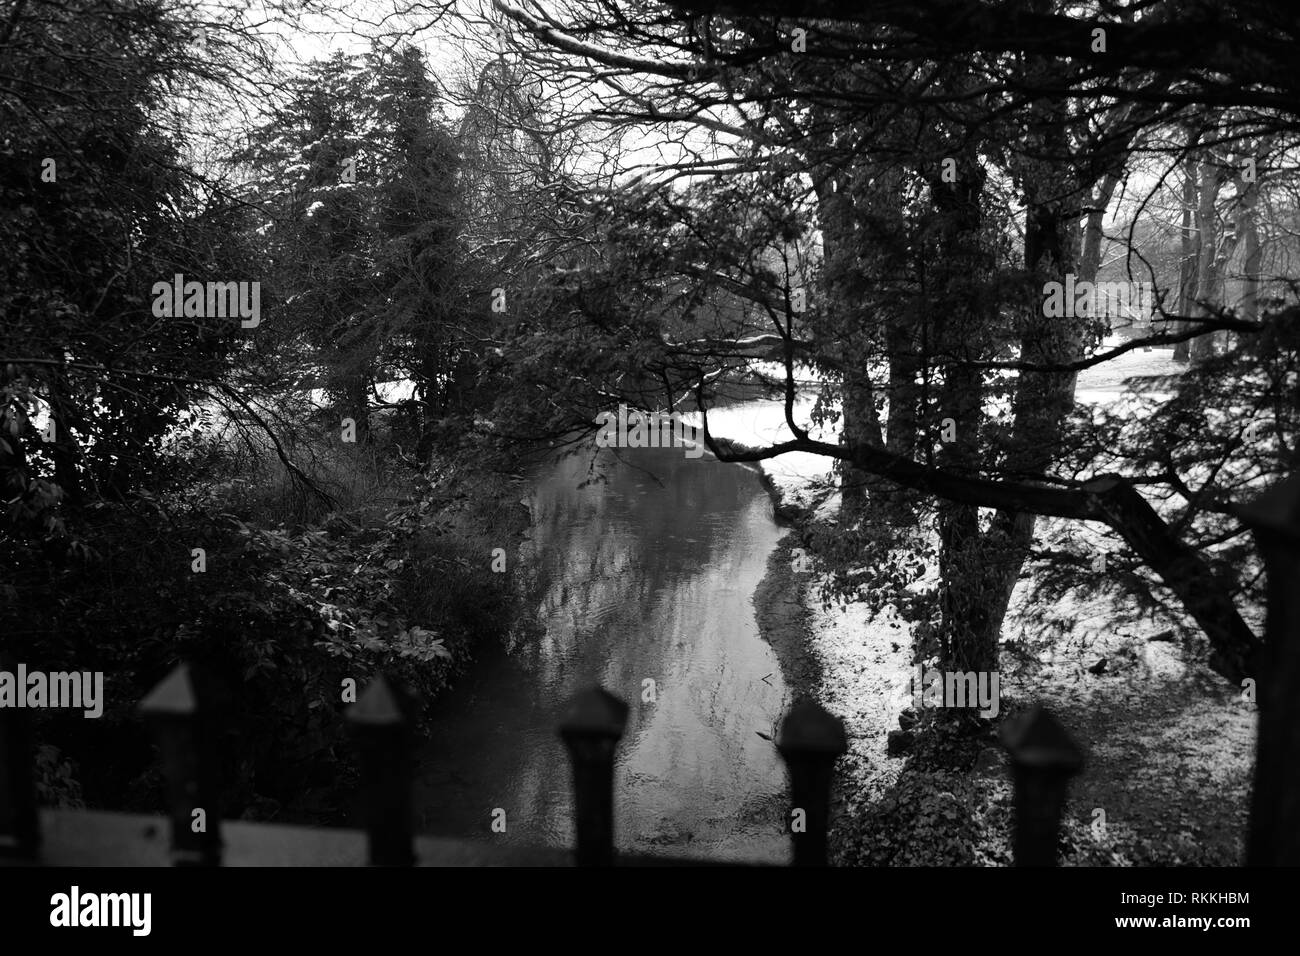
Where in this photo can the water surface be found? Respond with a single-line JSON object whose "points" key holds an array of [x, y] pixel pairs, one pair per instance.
{"points": [[645, 575]]}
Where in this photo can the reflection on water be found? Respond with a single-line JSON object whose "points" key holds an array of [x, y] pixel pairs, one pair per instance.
{"points": [[648, 575]]}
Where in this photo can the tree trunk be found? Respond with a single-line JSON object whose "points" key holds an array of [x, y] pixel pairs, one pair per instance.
{"points": [[903, 350], [1207, 273], [861, 420], [978, 569], [983, 566], [358, 405], [1090, 255], [1252, 257], [1188, 258]]}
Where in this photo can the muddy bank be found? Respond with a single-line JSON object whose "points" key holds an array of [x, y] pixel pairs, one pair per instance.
{"points": [[784, 621]]}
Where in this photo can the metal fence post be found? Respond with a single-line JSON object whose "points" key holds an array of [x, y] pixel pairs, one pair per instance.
{"points": [[1274, 835], [180, 714], [810, 741], [1043, 759], [19, 826], [383, 724], [591, 728]]}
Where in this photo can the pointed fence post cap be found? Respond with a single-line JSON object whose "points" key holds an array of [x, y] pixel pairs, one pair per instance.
{"points": [[1037, 739], [173, 696], [384, 703], [810, 728], [594, 713], [1277, 509]]}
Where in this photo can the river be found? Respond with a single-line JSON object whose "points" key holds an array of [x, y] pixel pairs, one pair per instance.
{"points": [[646, 574]]}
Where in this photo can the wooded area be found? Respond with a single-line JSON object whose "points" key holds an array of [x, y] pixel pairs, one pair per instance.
{"points": [[473, 229]]}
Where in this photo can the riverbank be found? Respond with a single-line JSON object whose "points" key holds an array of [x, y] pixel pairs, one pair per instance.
{"points": [[1168, 743], [849, 663]]}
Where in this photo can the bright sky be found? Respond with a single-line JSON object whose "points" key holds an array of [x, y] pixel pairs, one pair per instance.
{"points": [[456, 46]]}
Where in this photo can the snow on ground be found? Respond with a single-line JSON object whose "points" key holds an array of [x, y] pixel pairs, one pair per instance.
{"points": [[863, 663], [1107, 383], [1169, 744]]}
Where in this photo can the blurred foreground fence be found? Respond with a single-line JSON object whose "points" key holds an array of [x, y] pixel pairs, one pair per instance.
{"points": [[382, 721], [1043, 758]]}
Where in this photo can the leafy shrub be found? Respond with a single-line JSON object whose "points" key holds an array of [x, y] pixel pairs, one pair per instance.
{"points": [[926, 819], [279, 618]]}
